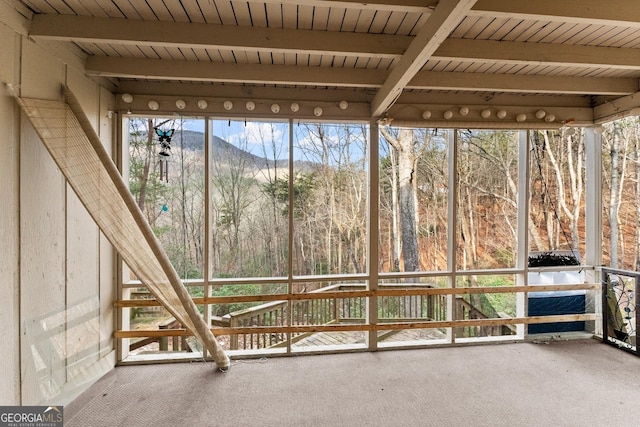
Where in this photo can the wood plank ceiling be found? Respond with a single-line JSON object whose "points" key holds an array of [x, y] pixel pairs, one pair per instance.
{"points": [[449, 61]]}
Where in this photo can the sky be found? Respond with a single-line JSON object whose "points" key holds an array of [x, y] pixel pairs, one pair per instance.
{"points": [[268, 137]]}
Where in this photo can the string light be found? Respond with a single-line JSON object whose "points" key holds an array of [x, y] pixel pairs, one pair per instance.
{"points": [[318, 111]]}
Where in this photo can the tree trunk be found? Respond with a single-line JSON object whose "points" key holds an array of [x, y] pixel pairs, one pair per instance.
{"points": [[575, 184], [144, 179], [393, 154], [404, 146], [613, 203], [575, 175], [406, 175]]}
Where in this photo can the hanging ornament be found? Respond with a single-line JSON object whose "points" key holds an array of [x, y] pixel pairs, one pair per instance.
{"points": [[165, 208], [164, 139], [164, 167]]}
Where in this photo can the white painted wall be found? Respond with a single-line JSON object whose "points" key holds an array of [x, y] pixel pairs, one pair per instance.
{"points": [[9, 225], [56, 268]]}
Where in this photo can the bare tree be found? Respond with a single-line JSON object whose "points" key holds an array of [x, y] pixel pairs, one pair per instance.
{"points": [[432, 197], [404, 145], [572, 164], [636, 158], [143, 165], [620, 142], [146, 159], [614, 201], [233, 185], [339, 206], [487, 199], [274, 229], [389, 177]]}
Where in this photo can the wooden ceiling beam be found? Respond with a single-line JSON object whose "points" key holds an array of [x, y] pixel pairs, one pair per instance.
{"points": [[617, 12], [517, 83], [352, 95], [233, 73], [372, 5], [612, 12], [611, 110], [351, 78], [154, 33], [84, 29], [239, 91], [538, 53], [445, 17]]}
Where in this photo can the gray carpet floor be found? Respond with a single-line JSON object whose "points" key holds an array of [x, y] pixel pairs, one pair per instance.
{"points": [[562, 383]]}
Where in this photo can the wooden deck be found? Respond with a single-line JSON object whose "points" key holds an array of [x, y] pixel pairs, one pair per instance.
{"points": [[345, 338]]}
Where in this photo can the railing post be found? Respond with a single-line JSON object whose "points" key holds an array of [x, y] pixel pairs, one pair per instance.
{"points": [[431, 306], [233, 341], [163, 342]]}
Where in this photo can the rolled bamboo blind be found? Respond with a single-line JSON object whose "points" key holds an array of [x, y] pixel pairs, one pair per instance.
{"points": [[77, 150]]}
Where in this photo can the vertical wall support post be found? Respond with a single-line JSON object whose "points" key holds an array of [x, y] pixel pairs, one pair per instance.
{"points": [[593, 219], [522, 256], [373, 225], [452, 227]]}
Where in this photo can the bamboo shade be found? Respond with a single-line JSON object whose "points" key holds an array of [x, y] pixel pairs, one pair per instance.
{"points": [[77, 150]]}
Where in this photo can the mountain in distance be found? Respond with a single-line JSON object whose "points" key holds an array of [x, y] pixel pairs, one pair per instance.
{"points": [[194, 141]]}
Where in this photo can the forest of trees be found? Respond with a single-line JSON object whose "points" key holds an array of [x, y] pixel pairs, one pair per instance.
{"points": [[257, 184]]}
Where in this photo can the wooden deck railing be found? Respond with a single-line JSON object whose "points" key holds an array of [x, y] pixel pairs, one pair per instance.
{"points": [[177, 343], [268, 314], [465, 310], [406, 308], [342, 308], [331, 310]]}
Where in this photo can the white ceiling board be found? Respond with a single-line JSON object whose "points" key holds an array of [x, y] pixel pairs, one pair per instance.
{"points": [[343, 43]]}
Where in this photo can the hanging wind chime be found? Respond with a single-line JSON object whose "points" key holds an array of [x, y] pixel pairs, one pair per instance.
{"points": [[164, 139]]}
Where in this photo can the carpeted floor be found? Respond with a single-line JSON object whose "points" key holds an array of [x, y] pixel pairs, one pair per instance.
{"points": [[563, 383]]}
